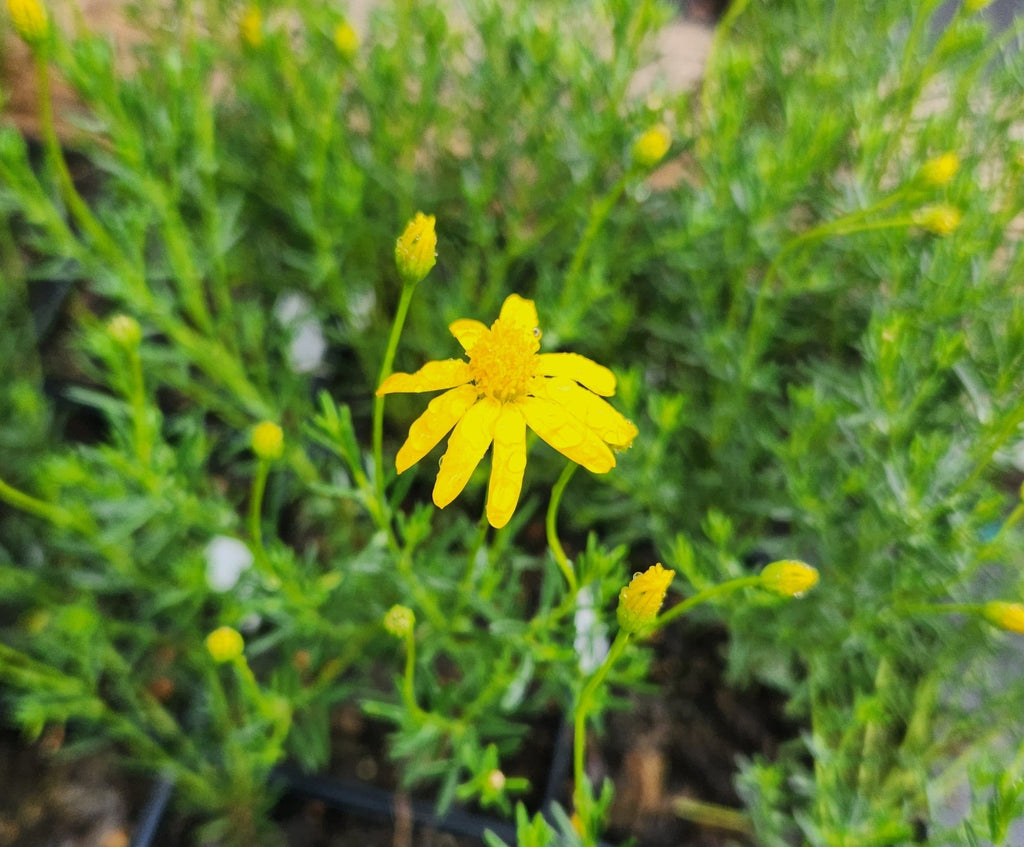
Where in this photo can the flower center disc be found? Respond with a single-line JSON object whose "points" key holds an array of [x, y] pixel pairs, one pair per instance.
{"points": [[502, 361]]}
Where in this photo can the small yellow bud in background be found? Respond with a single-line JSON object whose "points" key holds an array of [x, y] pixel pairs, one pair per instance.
{"points": [[125, 330], [416, 249], [225, 644], [250, 26], [942, 218], [399, 621], [940, 170], [972, 6], [267, 441], [29, 19], [789, 578], [346, 39], [640, 601], [1008, 616], [651, 147], [496, 780]]}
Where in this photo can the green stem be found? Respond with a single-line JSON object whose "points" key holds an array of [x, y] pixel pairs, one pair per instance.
{"points": [[378, 400], [424, 599], [409, 676], [874, 749], [143, 435], [583, 705], [736, 8], [259, 485], [599, 212], [74, 201], [474, 550], [712, 593], [712, 815], [56, 515], [552, 533]]}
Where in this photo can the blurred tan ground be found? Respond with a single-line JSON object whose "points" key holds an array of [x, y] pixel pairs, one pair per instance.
{"points": [[681, 50]]}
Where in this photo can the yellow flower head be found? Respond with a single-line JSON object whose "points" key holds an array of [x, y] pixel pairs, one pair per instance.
{"points": [[416, 248], [651, 147], [267, 441], [346, 39], [940, 170], [250, 26], [399, 621], [29, 19], [225, 644], [125, 330], [1008, 616], [942, 218], [640, 601], [504, 387], [789, 578]]}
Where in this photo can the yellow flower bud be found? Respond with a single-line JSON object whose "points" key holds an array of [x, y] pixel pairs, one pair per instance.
{"points": [[225, 644], [940, 170], [267, 441], [399, 621], [29, 19], [125, 330], [941, 219], [1008, 616], [640, 601], [651, 147], [346, 39], [496, 780], [416, 248], [789, 578], [250, 27]]}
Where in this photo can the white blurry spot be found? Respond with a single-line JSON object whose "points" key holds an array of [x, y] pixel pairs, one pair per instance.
{"points": [[306, 350], [591, 641], [292, 306], [250, 623], [360, 309], [226, 558]]}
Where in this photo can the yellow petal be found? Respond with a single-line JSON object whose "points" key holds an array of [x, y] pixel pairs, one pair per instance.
{"points": [[566, 434], [442, 413], [467, 331], [466, 447], [433, 376], [593, 412], [518, 311], [574, 366], [508, 462]]}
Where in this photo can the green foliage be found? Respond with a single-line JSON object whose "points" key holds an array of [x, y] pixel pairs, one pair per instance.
{"points": [[819, 336]]}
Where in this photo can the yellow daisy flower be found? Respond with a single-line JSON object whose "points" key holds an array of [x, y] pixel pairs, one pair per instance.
{"points": [[504, 387]]}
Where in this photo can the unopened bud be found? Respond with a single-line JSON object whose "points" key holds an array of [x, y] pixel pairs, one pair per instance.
{"points": [[225, 644], [640, 601], [268, 441], [346, 39], [416, 249], [1008, 616], [940, 170], [125, 330], [941, 219], [789, 578], [250, 27], [399, 621], [651, 147], [29, 19]]}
